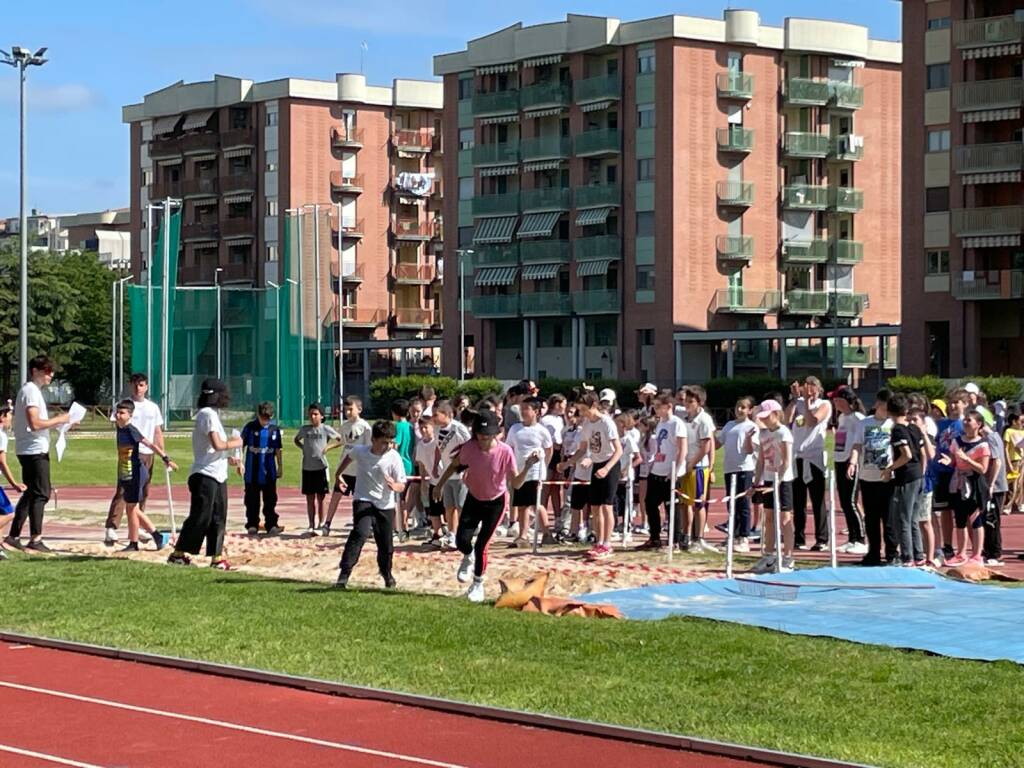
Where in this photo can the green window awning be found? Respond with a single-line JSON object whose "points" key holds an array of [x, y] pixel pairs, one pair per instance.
{"points": [[497, 230], [593, 268], [491, 276], [540, 271], [593, 216], [539, 224]]}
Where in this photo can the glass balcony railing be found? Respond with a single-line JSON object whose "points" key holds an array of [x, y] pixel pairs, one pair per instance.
{"points": [[503, 153], [846, 95], [989, 158], [992, 284], [495, 255], [495, 306], [805, 197], [798, 144], [599, 142], [544, 251], [545, 95], [980, 222], [496, 205], [848, 304], [735, 139], [735, 193], [735, 85], [848, 252], [597, 195], [802, 91], [991, 31], [846, 146], [599, 247], [805, 252], [734, 248], [545, 303], [845, 199], [601, 88], [745, 301], [596, 302], [800, 302], [988, 94], [497, 103], [550, 199], [545, 148]]}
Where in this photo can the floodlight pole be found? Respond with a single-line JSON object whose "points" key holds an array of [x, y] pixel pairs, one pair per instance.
{"points": [[277, 345]]}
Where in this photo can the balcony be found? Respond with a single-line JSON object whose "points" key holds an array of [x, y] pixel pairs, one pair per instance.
{"points": [[595, 89], [414, 317], [596, 302], [545, 303], [741, 301], [797, 144], [733, 248], [413, 274], [240, 182], [363, 318], [848, 304], [166, 188], [807, 302], [349, 185], [200, 188], [804, 197], [495, 255], [505, 153], [988, 94], [846, 96], [845, 199], [200, 143], [992, 284], [495, 306], [412, 229], [237, 227], [735, 194], [801, 252], [982, 222], [545, 95], [352, 274], [347, 137], [848, 252], [735, 85], [989, 158], [350, 228], [599, 142], [735, 139], [497, 103], [545, 148], [598, 247], [199, 231], [544, 251], [846, 146], [239, 137], [803, 92], [597, 196], [414, 139], [992, 32], [496, 205], [549, 199]]}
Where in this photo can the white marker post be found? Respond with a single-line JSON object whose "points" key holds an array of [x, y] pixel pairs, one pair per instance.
{"points": [[777, 512], [731, 527], [536, 518], [170, 501], [671, 512], [627, 513], [832, 511]]}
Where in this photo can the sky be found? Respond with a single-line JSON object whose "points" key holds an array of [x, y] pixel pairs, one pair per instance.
{"points": [[108, 53]]}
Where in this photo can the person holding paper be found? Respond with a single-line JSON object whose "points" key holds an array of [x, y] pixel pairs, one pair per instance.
{"points": [[32, 425]]}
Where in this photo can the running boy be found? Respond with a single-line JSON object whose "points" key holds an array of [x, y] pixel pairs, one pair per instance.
{"points": [[132, 475], [451, 434], [315, 439], [262, 441], [775, 463], [526, 438], [380, 476], [355, 430]]}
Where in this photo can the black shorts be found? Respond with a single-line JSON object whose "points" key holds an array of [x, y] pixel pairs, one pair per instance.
{"points": [[526, 494], [556, 457], [350, 482], [579, 497], [314, 482], [964, 508], [602, 489], [941, 496], [785, 497], [434, 508]]}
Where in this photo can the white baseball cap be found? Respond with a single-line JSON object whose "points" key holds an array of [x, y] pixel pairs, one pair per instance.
{"points": [[648, 389], [971, 388], [607, 395]]}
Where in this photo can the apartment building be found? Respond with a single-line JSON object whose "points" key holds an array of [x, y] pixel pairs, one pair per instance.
{"points": [[105, 232], [344, 172], [963, 259], [672, 199]]}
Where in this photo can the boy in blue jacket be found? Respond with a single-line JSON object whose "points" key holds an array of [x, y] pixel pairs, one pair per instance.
{"points": [[262, 442]]}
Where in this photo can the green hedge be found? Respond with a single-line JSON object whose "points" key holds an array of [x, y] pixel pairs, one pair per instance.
{"points": [[995, 387], [929, 386], [723, 393], [625, 391], [998, 387], [386, 390]]}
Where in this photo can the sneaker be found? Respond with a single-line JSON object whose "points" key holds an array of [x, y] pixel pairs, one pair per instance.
{"points": [[436, 541], [723, 527], [476, 592], [311, 531], [276, 530], [954, 560], [994, 562], [788, 565], [110, 537], [179, 558], [252, 531], [818, 548], [450, 541], [222, 565], [602, 552], [519, 544], [513, 530], [803, 547], [144, 538], [465, 572], [893, 562], [38, 545], [650, 544], [856, 548], [325, 530], [548, 540], [755, 537], [501, 531], [764, 565], [696, 548], [977, 560], [342, 581], [3, 555], [705, 546], [390, 583], [582, 535], [920, 562], [742, 545], [133, 546], [159, 540], [403, 536], [871, 562], [13, 543]]}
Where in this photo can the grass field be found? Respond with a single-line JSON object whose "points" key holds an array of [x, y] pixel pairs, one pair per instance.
{"points": [[689, 676]]}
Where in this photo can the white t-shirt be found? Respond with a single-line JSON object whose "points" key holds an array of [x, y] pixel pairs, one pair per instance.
{"points": [[526, 440], [555, 426], [354, 433], [26, 441], [205, 459], [734, 440], [700, 427], [875, 438], [647, 448], [771, 450], [146, 418], [931, 427], [448, 441], [810, 441], [572, 438], [3, 441], [371, 470], [600, 437], [426, 453], [630, 447], [846, 434], [665, 435]]}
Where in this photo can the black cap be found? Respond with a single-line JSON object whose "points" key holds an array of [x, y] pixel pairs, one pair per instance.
{"points": [[486, 423], [213, 386]]}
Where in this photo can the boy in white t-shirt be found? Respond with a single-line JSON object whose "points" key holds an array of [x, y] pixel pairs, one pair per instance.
{"points": [[694, 486], [452, 434], [579, 495], [601, 450], [355, 430], [380, 475], [554, 421], [528, 437], [739, 438], [669, 438], [775, 462], [426, 467]]}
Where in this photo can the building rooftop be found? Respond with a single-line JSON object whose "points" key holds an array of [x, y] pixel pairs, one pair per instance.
{"points": [[582, 33]]}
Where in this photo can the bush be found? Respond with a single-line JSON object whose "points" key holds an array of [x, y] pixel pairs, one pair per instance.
{"points": [[723, 393], [995, 387], [998, 387], [931, 387], [386, 390], [477, 389], [625, 391]]}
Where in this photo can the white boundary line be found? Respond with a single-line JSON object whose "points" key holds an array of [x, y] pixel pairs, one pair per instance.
{"points": [[229, 726], [47, 758]]}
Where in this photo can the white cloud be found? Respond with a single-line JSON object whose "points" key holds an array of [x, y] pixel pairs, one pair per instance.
{"points": [[70, 97]]}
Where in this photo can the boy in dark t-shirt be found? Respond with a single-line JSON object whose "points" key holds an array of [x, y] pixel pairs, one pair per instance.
{"points": [[132, 475], [907, 477]]}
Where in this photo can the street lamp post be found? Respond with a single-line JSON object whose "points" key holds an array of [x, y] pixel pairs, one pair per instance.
{"points": [[462, 253], [20, 58]]}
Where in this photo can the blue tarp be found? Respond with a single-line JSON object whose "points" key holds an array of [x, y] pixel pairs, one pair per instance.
{"points": [[967, 621]]}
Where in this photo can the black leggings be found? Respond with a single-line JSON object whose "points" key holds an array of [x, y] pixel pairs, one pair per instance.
{"points": [[659, 491], [846, 489], [877, 498], [207, 516], [816, 487], [487, 515], [367, 519], [35, 474]]}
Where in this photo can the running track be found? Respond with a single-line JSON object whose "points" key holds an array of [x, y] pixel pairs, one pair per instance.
{"points": [[73, 709]]}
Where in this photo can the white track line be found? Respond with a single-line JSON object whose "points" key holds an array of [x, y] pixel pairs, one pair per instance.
{"points": [[229, 726], [47, 758]]}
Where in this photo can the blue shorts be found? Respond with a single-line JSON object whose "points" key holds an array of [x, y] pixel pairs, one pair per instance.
{"points": [[133, 489], [6, 508]]}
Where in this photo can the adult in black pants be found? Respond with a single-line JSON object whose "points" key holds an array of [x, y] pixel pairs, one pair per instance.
{"points": [[207, 481], [32, 424], [850, 412]]}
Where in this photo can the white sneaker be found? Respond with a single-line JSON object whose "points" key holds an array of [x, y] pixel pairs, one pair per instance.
{"points": [[764, 565], [708, 547], [465, 571], [696, 548], [741, 545], [476, 592], [501, 531], [513, 530], [858, 548], [788, 565], [144, 537], [583, 535], [110, 536]]}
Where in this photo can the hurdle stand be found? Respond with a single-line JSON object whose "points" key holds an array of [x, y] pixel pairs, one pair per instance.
{"points": [[672, 511], [731, 527]]}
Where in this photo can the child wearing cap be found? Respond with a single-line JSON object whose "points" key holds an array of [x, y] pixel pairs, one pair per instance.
{"points": [[775, 468], [940, 473], [490, 470]]}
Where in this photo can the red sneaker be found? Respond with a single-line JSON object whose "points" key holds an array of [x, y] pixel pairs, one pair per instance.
{"points": [[223, 565], [955, 560]]}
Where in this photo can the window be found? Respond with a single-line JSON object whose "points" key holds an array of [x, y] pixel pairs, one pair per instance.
{"points": [[465, 237], [645, 224], [938, 140], [466, 188], [942, 22], [938, 76], [465, 88], [645, 116], [271, 160], [272, 206], [147, 177], [936, 199], [466, 140], [645, 61], [645, 278], [645, 169], [271, 253], [646, 337], [238, 254], [936, 262], [600, 332], [271, 118], [239, 118]]}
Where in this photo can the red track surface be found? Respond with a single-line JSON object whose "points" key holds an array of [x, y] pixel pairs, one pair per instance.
{"points": [[91, 711]]}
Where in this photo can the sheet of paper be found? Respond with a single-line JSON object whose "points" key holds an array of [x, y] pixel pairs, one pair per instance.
{"points": [[62, 443], [76, 413]]}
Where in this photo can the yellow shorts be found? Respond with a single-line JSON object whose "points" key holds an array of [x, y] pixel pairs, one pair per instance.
{"points": [[693, 487]]}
